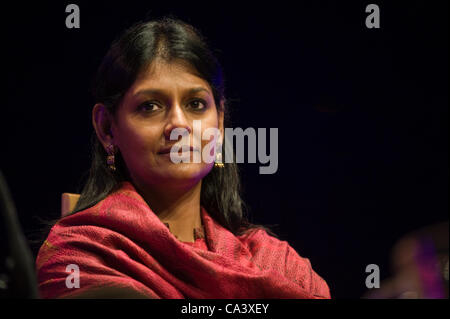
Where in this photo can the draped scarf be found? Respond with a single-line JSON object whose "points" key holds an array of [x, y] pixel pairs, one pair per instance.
{"points": [[121, 244]]}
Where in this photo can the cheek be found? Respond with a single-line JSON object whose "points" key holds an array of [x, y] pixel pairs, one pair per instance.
{"points": [[139, 143]]}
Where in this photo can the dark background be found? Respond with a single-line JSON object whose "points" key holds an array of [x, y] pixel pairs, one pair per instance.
{"points": [[362, 115]]}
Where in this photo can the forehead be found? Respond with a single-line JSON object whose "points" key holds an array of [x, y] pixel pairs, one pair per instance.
{"points": [[168, 75]]}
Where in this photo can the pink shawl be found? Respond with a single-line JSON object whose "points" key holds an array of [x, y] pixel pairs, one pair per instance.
{"points": [[121, 244]]}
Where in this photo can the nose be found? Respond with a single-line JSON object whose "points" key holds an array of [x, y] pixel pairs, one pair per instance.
{"points": [[176, 118]]}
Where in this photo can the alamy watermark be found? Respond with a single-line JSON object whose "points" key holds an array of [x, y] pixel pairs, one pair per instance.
{"points": [[256, 146], [73, 19], [73, 279], [373, 19], [373, 279]]}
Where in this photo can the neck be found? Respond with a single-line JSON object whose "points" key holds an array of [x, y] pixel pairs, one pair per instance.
{"points": [[179, 208]]}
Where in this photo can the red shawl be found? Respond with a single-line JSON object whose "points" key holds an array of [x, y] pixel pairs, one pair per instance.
{"points": [[121, 244]]}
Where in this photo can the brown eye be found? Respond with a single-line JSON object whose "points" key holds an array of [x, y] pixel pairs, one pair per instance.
{"points": [[149, 106], [198, 105]]}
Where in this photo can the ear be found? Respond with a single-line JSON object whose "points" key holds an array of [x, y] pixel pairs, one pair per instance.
{"points": [[221, 112], [103, 124]]}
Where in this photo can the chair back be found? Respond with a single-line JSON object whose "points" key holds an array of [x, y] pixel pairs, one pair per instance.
{"points": [[68, 202]]}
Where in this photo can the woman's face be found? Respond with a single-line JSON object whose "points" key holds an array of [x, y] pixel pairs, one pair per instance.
{"points": [[165, 97]]}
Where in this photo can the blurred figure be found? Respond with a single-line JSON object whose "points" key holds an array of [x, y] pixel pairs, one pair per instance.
{"points": [[17, 277], [419, 262]]}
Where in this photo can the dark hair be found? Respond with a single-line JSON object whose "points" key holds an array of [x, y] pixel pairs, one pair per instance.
{"points": [[135, 49]]}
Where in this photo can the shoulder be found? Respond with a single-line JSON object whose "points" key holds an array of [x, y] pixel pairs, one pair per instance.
{"points": [[258, 238], [97, 252], [86, 235]]}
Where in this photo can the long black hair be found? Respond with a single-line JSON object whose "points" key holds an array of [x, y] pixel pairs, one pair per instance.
{"points": [[167, 38]]}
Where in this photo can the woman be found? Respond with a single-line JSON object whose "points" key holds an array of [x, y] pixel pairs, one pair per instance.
{"points": [[145, 225]]}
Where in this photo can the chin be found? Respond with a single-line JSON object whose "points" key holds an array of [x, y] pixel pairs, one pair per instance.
{"points": [[184, 172], [189, 170]]}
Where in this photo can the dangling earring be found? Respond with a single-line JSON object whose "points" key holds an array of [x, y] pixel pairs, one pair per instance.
{"points": [[110, 159], [218, 162]]}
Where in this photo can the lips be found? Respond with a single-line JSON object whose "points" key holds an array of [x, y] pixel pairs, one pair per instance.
{"points": [[167, 150]]}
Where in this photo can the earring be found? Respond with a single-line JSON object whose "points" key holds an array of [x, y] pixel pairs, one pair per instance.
{"points": [[218, 162], [110, 158]]}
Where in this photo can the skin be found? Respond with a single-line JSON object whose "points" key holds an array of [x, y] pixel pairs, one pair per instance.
{"points": [[142, 126]]}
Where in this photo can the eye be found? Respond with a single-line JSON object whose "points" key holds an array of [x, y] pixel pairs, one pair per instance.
{"points": [[149, 106], [198, 105]]}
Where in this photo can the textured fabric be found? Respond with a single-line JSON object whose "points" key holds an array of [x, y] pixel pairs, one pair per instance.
{"points": [[120, 243], [198, 232]]}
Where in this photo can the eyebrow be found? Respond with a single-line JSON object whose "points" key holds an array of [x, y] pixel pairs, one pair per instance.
{"points": [[162, 92]]}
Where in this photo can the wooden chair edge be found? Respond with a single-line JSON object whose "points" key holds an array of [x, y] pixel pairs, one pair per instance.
{"points": [[68, 202]]}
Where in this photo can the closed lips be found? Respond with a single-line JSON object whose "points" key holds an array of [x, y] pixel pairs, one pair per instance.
{"points": [[178, 149]]}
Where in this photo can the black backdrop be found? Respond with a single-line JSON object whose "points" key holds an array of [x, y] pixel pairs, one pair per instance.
{"points": [[362, 115]]}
